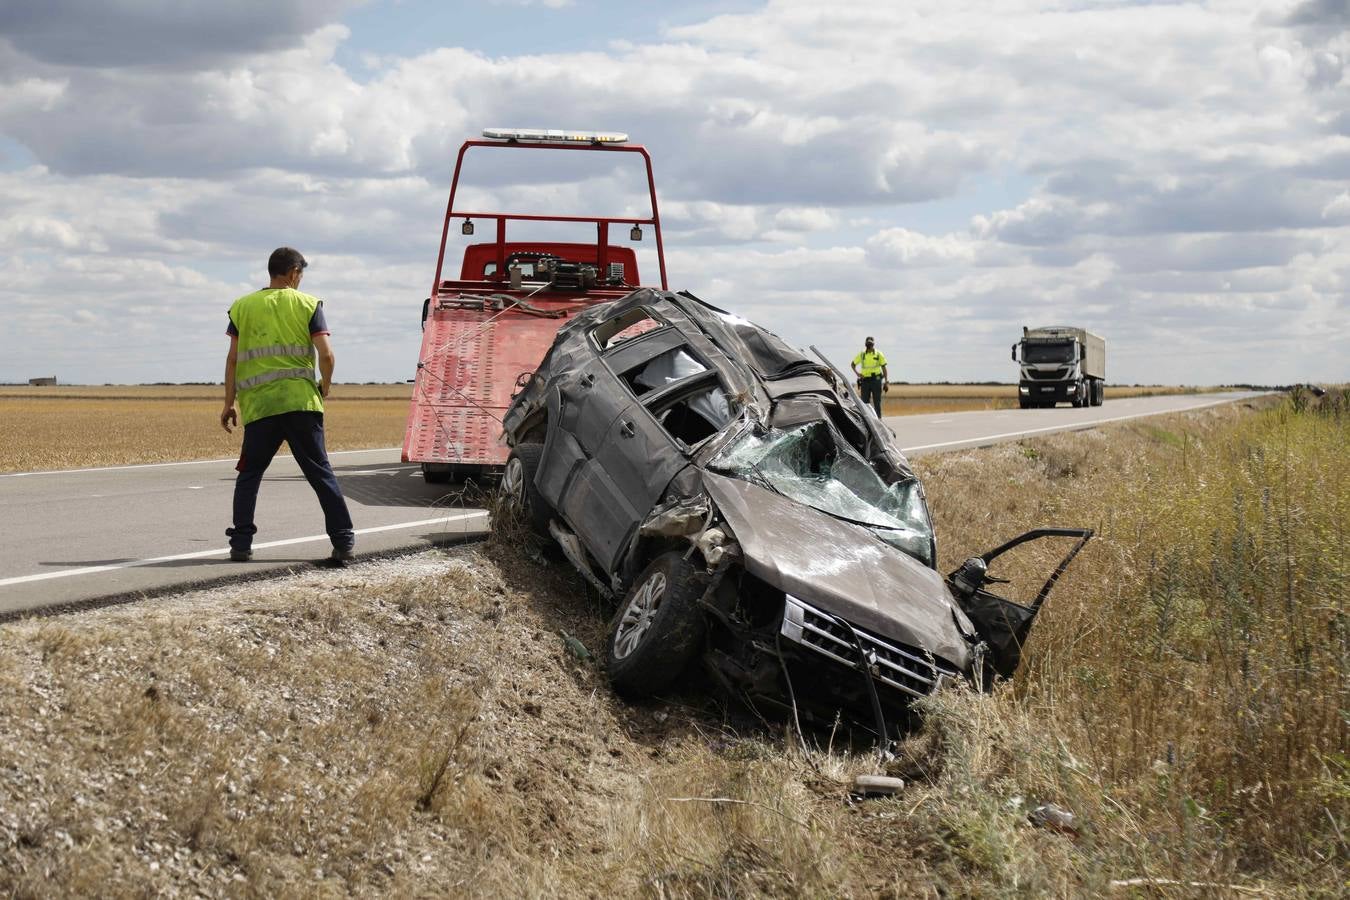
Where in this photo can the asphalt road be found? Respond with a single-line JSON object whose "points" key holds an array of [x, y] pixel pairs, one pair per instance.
{"points": [[90, 534]]}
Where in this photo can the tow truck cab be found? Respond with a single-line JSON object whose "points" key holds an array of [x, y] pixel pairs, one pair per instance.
{"points": [[485, 331]]}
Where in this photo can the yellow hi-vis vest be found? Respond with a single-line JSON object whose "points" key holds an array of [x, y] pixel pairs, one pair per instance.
{"points": [[274, 372], [869, 363]]}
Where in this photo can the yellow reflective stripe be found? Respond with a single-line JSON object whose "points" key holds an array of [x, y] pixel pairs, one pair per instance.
{"points": [[275, 375], [275, 350]]}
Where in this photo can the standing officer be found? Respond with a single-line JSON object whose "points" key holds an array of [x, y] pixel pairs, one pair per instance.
{"points": [[870, 368], [273, 335]]}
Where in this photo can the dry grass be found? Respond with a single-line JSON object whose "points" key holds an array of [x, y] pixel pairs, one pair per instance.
{"points": [[75, 426], [419, 727], [70, 427]]}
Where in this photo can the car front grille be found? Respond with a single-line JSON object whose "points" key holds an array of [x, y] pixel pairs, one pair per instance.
{"points": [[1048, 375], [906, 669]]}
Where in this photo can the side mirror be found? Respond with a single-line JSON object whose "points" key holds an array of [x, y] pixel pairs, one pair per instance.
{"points": [[970, 577], [1014, 353]]}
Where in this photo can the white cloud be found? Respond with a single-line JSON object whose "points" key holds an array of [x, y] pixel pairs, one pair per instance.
{"points": [[902, 247], [825, 169], [1338, 209]]}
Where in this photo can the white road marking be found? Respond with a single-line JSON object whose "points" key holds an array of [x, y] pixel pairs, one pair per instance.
{"points": [[194, 462], [90, 570], [1076, 426], [937, 421]]}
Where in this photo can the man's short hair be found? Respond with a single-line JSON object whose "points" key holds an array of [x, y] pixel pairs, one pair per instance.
{"points": [[283, 260], [868, 340]]}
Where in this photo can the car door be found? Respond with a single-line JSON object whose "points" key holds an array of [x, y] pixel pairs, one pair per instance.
{"points": [[618, 460], [1003, 624], [589, 498]]}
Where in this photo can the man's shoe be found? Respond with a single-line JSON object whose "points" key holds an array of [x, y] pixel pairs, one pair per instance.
{"points": [[241, 555], [343, 556]]}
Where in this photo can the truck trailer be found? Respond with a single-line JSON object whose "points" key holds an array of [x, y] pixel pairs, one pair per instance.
{"points": [[1060, 363]]}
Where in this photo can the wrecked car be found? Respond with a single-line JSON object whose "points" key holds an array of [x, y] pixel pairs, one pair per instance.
{"points": [[744, 509]]}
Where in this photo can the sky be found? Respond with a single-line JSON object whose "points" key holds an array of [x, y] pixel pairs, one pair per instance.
{"points": [[937, 173]]}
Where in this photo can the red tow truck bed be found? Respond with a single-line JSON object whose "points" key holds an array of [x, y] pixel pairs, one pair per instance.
{"points": [[486, 330]]}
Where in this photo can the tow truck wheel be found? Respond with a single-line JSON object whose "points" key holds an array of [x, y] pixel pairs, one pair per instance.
{"points": [[659, 627], [519, 490], [444, 473], [433, 474]]}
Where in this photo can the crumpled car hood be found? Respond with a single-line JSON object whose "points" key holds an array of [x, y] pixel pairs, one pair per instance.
{"points": [[841, 568]]}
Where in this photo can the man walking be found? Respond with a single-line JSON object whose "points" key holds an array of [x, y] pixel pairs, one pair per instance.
{"points": [[870, 368], [273, 335]]}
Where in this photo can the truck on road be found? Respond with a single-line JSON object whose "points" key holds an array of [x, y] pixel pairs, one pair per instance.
{"points": [[1060, 363]]}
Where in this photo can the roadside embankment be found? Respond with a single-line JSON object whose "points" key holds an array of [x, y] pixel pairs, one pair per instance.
{"points": [[420, 726]]}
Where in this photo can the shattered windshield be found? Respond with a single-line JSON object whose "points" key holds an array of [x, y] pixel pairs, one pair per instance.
{"points": [[809, 465], [1047, 353]]}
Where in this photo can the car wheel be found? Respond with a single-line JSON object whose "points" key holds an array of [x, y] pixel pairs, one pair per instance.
{"points": [[519, 491], [659, 627]]}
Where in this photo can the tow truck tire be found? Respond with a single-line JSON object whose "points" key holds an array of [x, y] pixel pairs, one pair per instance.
{"points": [[435, 475], [519, 488], [659, 627], [444, 473], [1023, 403]]}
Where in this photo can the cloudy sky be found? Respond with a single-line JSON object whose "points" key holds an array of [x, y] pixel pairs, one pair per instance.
{"points": [[1174, 176]]}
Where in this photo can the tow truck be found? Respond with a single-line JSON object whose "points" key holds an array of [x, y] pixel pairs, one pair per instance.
{"points": [[485, 332]]}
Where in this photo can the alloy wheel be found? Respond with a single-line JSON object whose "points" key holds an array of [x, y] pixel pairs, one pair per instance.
{"points": [[638, 615]]}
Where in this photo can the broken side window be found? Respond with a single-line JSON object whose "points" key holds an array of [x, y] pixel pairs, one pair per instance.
{"points": [[624, 327], [696, 416], [811, 465], [691, 416]]}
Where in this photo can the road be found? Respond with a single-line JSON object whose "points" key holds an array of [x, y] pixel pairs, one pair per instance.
{"points": [[89, 534]]}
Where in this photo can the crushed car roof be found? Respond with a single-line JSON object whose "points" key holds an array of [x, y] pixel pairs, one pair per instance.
{"points": [[762, 371]]}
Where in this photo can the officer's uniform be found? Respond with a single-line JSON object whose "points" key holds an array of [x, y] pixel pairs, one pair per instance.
{"points": [[869, 364], [279, 400]]}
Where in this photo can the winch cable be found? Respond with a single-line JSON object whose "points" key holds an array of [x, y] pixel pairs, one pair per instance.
{"points": [[446, 347], [792, 699], [518, 304], [441, 426]]}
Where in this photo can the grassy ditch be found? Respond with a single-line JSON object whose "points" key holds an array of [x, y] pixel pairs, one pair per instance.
{"points": [[422, 727]]}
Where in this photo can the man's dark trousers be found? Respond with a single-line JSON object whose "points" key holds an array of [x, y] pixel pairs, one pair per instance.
{"points": [[303, 431], [871, 392]]}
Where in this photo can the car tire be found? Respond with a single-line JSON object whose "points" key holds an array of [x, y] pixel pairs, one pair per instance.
{"points": [[519, 490], [659, 627]]}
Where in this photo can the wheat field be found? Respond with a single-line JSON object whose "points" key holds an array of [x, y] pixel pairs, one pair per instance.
{"points": [[75, 426]]}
